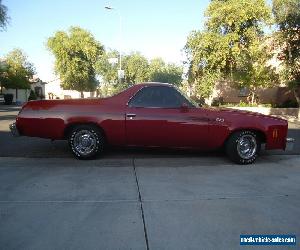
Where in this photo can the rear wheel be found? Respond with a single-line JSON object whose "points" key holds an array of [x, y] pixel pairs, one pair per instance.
{"points": [[243, 147], [86, 141]]}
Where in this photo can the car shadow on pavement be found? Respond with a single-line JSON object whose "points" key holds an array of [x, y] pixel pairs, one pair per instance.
{"points": [[45, 148]]}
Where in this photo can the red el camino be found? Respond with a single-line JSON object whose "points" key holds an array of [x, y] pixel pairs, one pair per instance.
{"points": [[150, 115]]}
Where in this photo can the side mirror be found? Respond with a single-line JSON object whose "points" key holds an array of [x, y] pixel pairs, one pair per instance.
{"points": [[184, 107]]}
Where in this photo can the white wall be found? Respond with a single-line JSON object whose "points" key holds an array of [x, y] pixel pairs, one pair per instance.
{"points": [[54, 87], [288, 112], [23, 94]]}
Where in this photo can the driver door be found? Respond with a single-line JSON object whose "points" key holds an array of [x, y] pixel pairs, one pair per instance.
{"points": [[155, 117]]}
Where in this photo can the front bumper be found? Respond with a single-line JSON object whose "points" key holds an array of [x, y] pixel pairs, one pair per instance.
{"points": [[289, 144], [14, 130]]}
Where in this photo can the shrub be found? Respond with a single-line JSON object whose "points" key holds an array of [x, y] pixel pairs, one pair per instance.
{"points": [[8, 99], [288, 104], [244, 104], [216, 102], [32, 96]]}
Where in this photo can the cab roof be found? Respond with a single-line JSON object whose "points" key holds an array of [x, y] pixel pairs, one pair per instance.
{"points": [[154, 83]]}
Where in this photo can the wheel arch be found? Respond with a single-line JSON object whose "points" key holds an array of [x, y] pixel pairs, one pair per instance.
{"points": [[71, 126], [261, 134]]}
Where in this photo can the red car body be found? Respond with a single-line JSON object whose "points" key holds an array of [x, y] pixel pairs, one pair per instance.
{"points": [[184, 127]]}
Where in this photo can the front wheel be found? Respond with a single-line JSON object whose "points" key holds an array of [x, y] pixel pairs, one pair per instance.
{"points": [[243, 147], [86, 141]]}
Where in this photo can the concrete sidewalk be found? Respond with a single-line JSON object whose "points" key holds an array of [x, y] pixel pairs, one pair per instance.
{"points": [[162, 203]]}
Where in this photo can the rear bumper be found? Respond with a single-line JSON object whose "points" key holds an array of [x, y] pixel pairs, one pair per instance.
{"points": [[289, 144], [14, 130]]}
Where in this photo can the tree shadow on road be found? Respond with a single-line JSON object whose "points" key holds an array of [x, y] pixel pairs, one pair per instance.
{"points": [[9, 108]]}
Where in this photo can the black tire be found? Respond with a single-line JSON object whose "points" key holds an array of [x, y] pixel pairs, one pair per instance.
{"points": [[86, 141], [243, 147]]}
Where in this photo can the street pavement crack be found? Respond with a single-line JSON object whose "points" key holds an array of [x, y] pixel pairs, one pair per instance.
{"points": [[68, 201], [141, 203], [154, 200]]}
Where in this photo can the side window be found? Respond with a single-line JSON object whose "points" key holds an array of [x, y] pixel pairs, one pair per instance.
{"points": [[158, 97], [142, 98], [172, 98]]}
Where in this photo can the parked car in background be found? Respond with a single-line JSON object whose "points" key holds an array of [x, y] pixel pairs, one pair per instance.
{"points": [[150, 115]]}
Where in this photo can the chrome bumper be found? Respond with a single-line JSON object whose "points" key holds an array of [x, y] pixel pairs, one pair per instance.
{"points": [[289, 144], [13, 129]]}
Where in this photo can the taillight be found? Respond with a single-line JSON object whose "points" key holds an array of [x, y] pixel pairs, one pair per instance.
{"points": [[275, 133]]}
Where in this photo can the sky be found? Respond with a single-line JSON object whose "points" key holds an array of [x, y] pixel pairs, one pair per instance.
{"points": [[156, 28]]}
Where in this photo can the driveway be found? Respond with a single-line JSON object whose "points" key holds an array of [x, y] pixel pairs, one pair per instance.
{"points": [[153, 203], [140, 200]]}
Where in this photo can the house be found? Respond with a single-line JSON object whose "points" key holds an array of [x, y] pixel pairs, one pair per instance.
{"points": [[277, 95], [21, 95]]}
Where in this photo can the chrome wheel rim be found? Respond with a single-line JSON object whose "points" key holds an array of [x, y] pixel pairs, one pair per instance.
{"points": [[246, 146], [85, 142]]}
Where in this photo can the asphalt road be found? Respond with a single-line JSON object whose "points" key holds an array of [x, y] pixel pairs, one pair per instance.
{"points": [[140, 199]]}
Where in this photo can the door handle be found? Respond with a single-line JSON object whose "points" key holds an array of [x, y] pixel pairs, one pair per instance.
{"points": [[130, 116]]}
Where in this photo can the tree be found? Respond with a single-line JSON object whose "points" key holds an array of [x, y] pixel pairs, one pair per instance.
{"points": [[159, 71], [229, 45], [3, 16], [287, 18], [255, 71], [136, 68], [76, 53], [156, 66], [108, 70], [18, 71], [201, 75], [3, 74]]}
